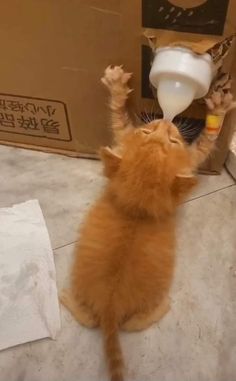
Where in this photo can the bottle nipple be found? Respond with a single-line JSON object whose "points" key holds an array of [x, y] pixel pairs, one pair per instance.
{"points": [[175, 95]]}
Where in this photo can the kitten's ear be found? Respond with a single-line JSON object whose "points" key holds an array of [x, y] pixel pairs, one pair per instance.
{"points": [[182, 186], [220, 50], [110, 160]]}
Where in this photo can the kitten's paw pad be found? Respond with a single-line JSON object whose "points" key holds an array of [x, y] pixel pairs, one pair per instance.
{"points": [[220, 102], [115, 77]]}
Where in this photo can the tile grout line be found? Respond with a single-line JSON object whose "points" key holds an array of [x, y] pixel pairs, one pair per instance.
{"points": [[66, 244], [207, 194], [192, 199], [229, 173]]}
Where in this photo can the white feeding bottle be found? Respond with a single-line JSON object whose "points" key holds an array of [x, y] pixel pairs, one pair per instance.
{"points": [[180, 76]]}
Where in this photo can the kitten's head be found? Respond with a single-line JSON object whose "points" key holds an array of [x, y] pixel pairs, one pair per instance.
{"points": [[151, 172]]}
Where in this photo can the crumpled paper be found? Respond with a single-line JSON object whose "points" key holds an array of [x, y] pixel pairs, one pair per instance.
{"points": [[29, 307]]}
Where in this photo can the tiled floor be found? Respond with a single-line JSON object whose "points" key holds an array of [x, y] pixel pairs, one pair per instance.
{"points": [[196, 340]]}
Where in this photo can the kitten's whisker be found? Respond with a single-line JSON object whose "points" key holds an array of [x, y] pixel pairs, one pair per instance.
{"points": [[184, 125], [147, 117], [138, 118], [144, 118], [152, 111], [191, 133], [178, 124]]}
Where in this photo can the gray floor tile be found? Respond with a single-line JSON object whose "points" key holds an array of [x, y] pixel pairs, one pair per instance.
{"points": [[63, 261], [209, 184], [195, 341], [64, 186]]}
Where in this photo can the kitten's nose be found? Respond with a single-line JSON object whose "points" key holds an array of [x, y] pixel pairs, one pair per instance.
{"points": [[166, 125], [163, 127], [155, 126]]}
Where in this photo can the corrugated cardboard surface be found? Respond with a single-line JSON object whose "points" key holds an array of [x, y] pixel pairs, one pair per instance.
{"points": [[213, 19], [231, 158], [57, 51], [54, 53]]}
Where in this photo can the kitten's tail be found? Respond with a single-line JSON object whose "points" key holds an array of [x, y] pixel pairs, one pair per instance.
{"points": [[113, 352]]}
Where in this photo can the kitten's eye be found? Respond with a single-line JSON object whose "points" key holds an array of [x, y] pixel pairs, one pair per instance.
{"points": [[174, 140], [146, 131]]}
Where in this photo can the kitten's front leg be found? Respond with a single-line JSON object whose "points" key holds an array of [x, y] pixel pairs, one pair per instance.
{"points": [[218, 105], [116, 80]]}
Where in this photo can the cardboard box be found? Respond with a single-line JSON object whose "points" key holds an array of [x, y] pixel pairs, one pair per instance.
{"points": [[54, 53], [231, 158]]}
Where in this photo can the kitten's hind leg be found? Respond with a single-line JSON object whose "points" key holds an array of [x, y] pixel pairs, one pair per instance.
{"points": [[80, 312], [141, 320], [116, 80]]}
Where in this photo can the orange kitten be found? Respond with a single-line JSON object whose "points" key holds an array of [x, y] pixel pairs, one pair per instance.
{"points": [[125, 258]]}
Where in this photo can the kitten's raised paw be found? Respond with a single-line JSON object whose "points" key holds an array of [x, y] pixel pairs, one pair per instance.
{"points": [[115, 77], [220, 102]]}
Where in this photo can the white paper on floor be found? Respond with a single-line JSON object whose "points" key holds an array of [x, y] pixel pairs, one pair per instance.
{"points": [[29, 308]]}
